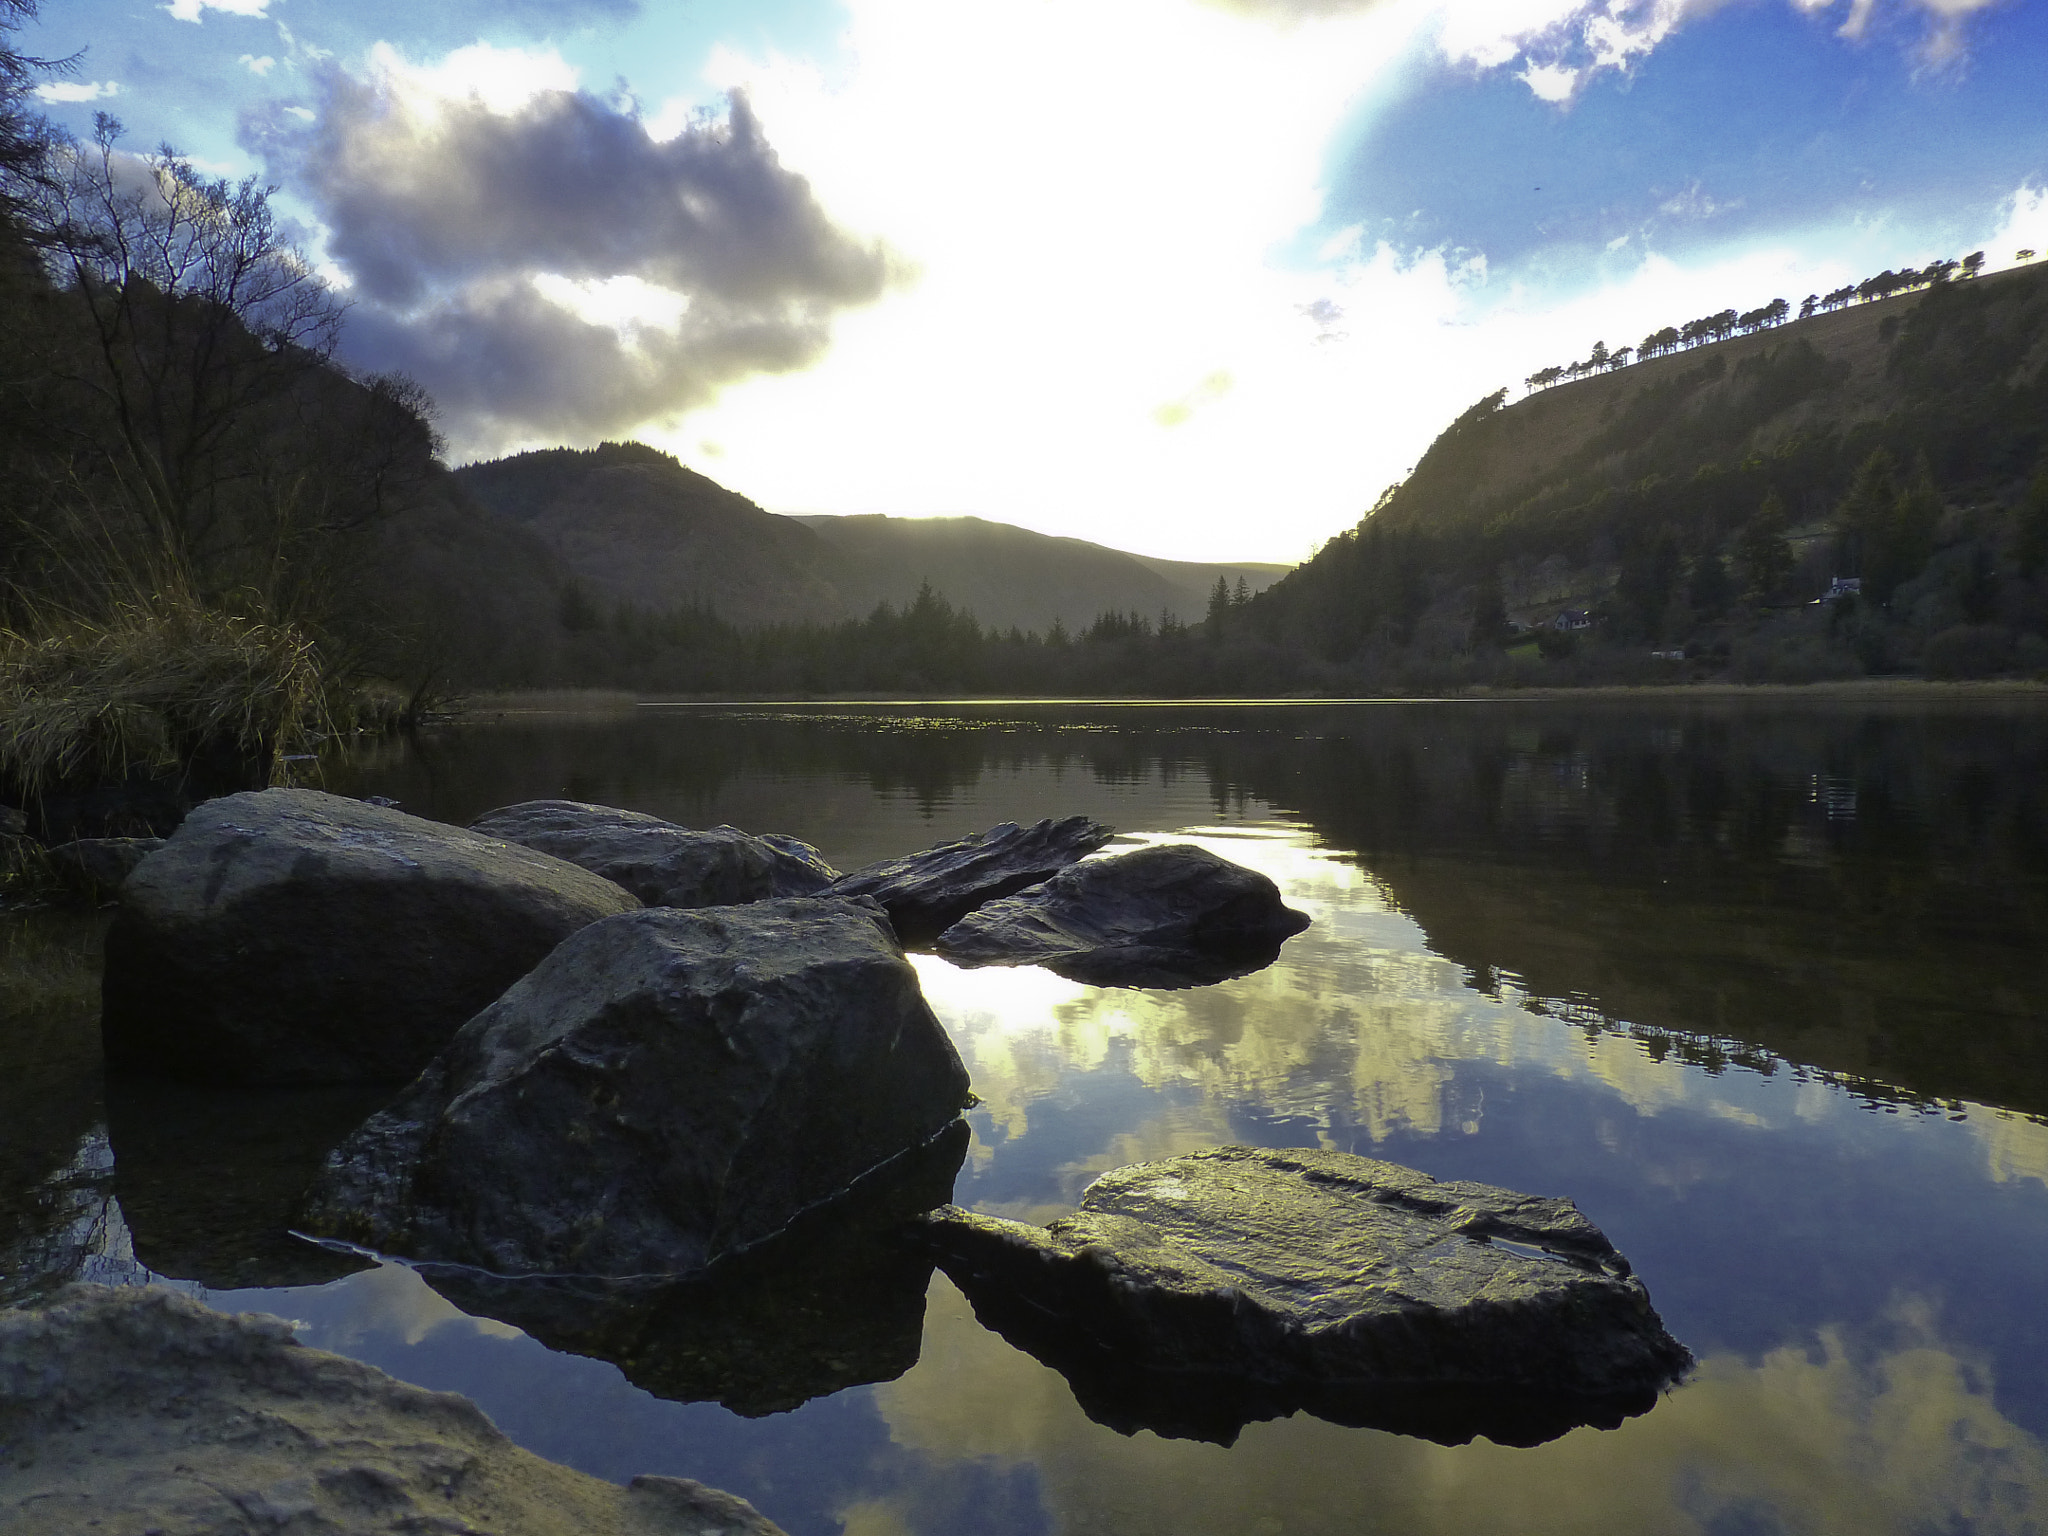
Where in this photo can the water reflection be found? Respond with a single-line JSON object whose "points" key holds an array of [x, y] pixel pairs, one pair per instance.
{"points": [[1888, 1431], [211, 1180], [836, 1301], [1859, 890], [1757, 989]]}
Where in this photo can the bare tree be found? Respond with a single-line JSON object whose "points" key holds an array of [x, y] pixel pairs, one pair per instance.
{"points": [[198, 317]]}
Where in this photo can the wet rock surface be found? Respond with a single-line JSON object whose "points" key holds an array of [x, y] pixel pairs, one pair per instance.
{"points": [[135, 1409], [1194, 1295], [666, 1088], [291, 937], [926, 893], [663, 864], [836, 1300], [1166, 916]]}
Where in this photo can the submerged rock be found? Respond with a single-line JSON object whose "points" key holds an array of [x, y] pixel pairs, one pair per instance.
{"points": [[1158, 917], [291, 937], [926, 893], [834, 1301], [1194, 1295], [138, 1409], [663, 864], [666, 1088]]}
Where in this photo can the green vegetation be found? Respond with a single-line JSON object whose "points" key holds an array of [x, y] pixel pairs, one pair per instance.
{"points": [[159, 682], [1722, 510], [218, 547], [197, 506]]}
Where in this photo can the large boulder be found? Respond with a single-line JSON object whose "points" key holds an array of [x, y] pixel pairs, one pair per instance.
{"points": [[663, 864], [1199, 1293], [291, 937], [666, 1088], [1175, 915], [139, 1409], [927, 893]]}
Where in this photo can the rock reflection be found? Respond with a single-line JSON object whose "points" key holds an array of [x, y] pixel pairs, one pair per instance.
{"points": [[54, 1167], [1882, 1431], [210, 1180], [835, 1301], [1121, 1396]]}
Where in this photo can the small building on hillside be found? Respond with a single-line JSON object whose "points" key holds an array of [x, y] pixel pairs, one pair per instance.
{"points": [[1844, 586], [1570, 619]]}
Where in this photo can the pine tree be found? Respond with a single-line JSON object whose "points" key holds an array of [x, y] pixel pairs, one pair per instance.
{"points": [[2031, 548], [1489, 614], [1763, 555]]}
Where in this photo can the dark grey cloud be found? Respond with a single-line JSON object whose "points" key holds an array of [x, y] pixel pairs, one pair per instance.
{"points": [[441, 212]]}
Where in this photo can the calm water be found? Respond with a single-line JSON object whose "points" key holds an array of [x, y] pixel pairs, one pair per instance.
{"points": [[1759, 986]]}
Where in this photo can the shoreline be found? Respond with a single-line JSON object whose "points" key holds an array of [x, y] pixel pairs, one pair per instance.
{"points": [[572, 701]]}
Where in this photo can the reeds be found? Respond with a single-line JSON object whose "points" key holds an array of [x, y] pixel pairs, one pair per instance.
{"points": [[146, 683]]}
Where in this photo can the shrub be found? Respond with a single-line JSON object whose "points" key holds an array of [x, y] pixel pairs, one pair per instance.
{"points": [[1969, 650], [155, 681]]}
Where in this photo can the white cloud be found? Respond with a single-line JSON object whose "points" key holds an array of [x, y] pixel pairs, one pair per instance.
{"points": [[256, 66], [194, 10], [2024, 228], [503, 79], [66, 92], [1094, 235], [1563, 44], [1550, 82]]}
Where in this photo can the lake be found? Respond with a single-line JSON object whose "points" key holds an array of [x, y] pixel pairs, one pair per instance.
{"points": [[1758, 983]]}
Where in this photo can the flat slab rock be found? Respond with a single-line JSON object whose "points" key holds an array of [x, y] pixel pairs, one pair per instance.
{"points": [[665, 1088], [927, 893], [285, 936], [136, 1408], [1199, 1293], [1173, 915], [663, 864]]}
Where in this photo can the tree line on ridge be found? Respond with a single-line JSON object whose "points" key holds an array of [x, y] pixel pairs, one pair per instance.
{"points": [[1726, 323]]}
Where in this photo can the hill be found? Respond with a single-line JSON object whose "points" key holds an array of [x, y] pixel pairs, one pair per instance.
{"points": [[1694, 499], [635, 527], [1007, 576]]}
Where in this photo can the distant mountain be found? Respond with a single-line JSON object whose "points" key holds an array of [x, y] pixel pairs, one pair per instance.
{"points": [[1007, 576], [633, 525]]}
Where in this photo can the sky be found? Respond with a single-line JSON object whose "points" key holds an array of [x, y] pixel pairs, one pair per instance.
{"points": [[1196, 278]]}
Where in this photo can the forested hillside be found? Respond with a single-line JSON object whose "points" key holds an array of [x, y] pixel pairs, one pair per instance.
{"points": [[635, 528], [1703, 500]]}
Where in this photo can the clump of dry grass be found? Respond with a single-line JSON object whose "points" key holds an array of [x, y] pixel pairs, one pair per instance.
{"points": [[148, 682]]}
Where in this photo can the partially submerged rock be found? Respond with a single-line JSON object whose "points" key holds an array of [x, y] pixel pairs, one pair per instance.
{"points": [[291, 937], [834, 1301], [1175, 915], [666, 1088], [663, 864], [1200, 1293], [926, 893], [139, 1409], [95, 867]]}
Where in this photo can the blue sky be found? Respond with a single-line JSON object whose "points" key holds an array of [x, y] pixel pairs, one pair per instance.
{"points": [[1194, 277]]}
